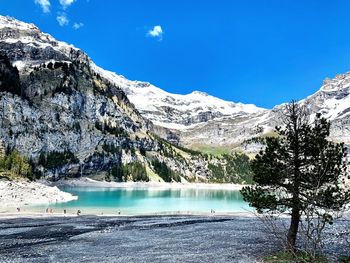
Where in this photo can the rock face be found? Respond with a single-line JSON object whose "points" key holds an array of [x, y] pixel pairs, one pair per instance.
{"points": [[333, 101], [58, 103], [200, 119], [53, 98], [181, 112], [72, 118]]}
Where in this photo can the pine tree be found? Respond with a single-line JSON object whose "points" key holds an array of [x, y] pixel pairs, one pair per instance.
{"points": [[298, 171], [2, 149]]}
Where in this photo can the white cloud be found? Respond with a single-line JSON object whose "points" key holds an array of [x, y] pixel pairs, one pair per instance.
{"points": [[76, 26], [66, 3], [45, 5], [62, 19], [156, 32]]}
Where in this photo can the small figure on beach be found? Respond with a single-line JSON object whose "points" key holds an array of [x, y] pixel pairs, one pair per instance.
{"points": [[212, 211], [64, 211], [18, 209], [78, 213], [47, 210], [119, 212]]}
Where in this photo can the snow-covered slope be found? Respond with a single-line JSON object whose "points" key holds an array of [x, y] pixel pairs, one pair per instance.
{"points": [[162, 108], [39, 46], [197, 118], [180, 112], [59, 103], [333, 101], [13, 30]]}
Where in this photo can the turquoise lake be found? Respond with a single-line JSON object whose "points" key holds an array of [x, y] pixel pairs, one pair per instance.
{"points": [[133, 201]]}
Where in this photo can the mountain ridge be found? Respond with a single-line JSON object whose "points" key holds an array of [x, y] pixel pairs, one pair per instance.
{"points": [[70, 117], [196, 118]]}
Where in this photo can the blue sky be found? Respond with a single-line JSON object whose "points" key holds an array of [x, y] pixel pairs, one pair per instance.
{"points": [[252, 51]]}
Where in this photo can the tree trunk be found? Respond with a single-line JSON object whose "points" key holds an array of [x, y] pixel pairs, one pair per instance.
{"points": [[293, 229], [295, 218]]}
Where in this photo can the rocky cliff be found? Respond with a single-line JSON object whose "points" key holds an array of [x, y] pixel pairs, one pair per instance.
{"points": [[72, 118], [199, 120]]}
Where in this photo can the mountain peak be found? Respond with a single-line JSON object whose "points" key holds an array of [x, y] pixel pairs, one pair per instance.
{"points": [[10, 22], [339, 82], [197, 92]]}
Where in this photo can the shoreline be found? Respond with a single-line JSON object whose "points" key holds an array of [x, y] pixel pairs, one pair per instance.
{"points": [[33, 198], [17, 194], [32, 215], [87, 182]]}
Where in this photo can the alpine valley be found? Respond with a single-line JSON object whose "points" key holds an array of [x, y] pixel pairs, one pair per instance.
{"points": [[71, 118]]}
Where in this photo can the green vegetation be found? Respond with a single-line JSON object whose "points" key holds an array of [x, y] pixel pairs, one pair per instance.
{"points": [[110, 148], [232, 169], [261, 139], [238, 168], [62, 88], [301, 173], [107, 128], [289, 257], [184, 149], [212, 150], [142, 151], [9, 77], [218, 171], [53, 160], [134, 171], [344, 259], [15, 165], [258, 139], [165, 172], [76, 126], [225, 168]]}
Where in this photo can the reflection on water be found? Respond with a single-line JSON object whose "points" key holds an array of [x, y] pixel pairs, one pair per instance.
{"points": [[137, 201]]}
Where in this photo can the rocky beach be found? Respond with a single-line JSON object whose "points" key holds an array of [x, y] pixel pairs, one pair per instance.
{"points": [[17, 194], [143, 239]]}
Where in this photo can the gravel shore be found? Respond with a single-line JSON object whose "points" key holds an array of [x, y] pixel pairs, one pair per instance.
{"points": [[138, 239]]}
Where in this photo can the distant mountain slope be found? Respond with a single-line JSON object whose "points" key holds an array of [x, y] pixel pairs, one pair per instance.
{"points": [[333, 101], [180, 112], [192, 118], [72, 118], [202, 120]]}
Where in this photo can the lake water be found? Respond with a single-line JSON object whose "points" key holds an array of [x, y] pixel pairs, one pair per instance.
{"points": [[150, 201]]}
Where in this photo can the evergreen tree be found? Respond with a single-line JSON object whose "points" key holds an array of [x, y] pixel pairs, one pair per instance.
{"points": [[2, 150], [9, 77], [16, 164], [298, 171]]}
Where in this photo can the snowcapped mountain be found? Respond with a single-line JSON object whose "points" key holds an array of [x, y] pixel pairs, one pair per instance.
{"points": [[30, 38], [196, 118], [181, 112], [73, 118], [333, 101], [200, 119], [162, 108]]}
